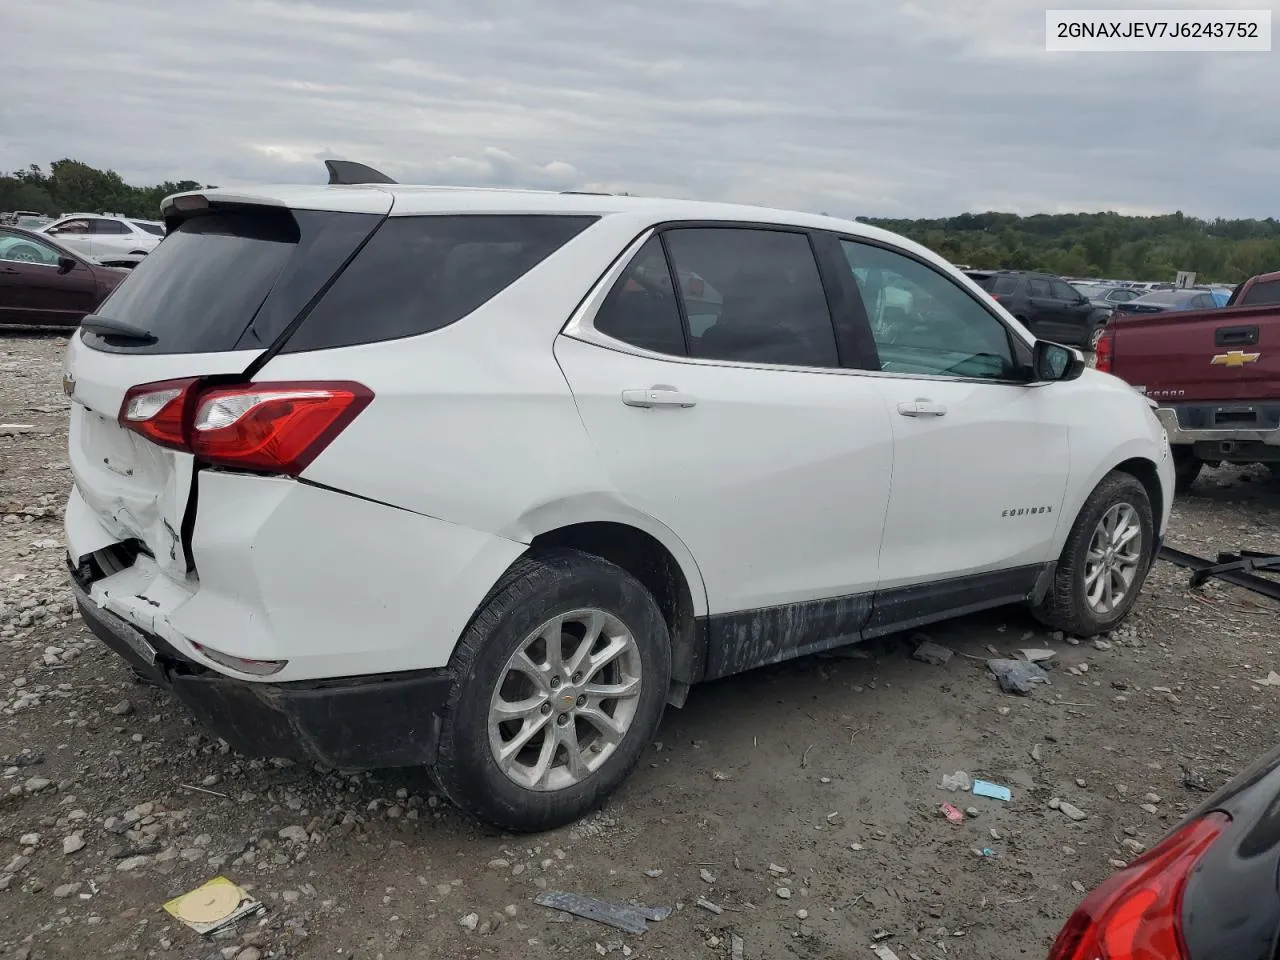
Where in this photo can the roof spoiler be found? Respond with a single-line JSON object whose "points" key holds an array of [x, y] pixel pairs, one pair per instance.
{"points": [[349, 173]]}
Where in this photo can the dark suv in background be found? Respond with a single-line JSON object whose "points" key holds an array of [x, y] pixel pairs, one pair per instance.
{"points": [[1046, 305]]}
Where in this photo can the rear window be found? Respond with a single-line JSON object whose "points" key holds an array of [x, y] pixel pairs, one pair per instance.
{"points": [[1267, 291], [1001, 286], [418, 274], [228, 281], [156, 229]]}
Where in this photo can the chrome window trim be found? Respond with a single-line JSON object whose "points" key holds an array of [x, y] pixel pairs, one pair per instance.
{"points": [[581, 327]]}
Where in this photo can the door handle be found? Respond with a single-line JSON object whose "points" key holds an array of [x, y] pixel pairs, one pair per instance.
{"points": [[922, 408], [659, 395]]}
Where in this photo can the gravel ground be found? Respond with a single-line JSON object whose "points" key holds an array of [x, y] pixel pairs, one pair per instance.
{"points": [[801, 801]]}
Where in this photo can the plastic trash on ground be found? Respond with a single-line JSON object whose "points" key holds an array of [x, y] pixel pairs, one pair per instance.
{"points": [[985, 788], [1017, 676], [623, 916], [958, 781]]}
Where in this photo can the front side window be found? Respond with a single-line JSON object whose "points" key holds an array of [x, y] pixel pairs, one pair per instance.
{"points": [[19, 249], [1003, 286], [1063, 292], [70, 228], [752, 295], [1039, 288], [923, 322]]}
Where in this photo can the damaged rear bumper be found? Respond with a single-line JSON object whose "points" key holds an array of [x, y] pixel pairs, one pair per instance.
{"points": [[349, 723]]}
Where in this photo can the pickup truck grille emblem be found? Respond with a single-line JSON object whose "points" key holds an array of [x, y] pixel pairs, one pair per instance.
{"points": [[1234, 358]]}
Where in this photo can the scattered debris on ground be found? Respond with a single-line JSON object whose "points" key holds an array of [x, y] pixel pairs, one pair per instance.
{"points": [[108, 811]]}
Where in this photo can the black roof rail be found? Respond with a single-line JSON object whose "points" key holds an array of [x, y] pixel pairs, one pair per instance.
{"points": [[349, 173], [585, 193]]}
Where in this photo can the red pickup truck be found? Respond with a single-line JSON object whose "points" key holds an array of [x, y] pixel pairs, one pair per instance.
{"points": [[1215, 375]]}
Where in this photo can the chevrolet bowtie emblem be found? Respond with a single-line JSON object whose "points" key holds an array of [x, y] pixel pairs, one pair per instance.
{"points": [[1234, 358]]}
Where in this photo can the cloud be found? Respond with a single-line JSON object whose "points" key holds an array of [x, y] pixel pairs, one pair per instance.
{"points": [[889, 107]]}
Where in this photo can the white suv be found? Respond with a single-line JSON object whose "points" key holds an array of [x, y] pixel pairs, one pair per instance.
{"points": [[97, 236], [481, 480]]}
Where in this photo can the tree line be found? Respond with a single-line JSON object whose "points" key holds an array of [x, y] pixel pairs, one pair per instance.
{"points": [[1105, 245], [1071, 244], [74, 187]]}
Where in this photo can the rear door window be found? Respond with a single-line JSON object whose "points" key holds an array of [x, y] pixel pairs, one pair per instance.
{"points": [[1039, 288], [1003, 286], [418, 274], [228, 281], [752, 295], [107, 226]]}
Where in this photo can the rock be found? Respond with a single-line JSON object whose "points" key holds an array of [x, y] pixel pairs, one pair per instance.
{"points": [[212, 780], [778, 871], [1152, 798], [784, 893], [1018, 677], [653, 874], [132, 863], [470, 921], [1150, 808], [972, 811], [73, 843], [290, 896], [29, 840], [249, 953], [802, 914], [1100, 644], [66, 890], [499, 864], [707, 876], [121, 709], [294, 834], [1071, 810], [36, 784], [1035, 753], [1054, 803], [17, 863], [932, 653], [1134, 846], [1077, 886]]}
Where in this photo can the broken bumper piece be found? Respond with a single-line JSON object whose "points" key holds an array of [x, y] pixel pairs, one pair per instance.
{"points": [[348, 723]]}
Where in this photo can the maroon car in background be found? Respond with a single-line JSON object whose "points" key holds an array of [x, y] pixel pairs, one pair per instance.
{"points": [[43, 283]]}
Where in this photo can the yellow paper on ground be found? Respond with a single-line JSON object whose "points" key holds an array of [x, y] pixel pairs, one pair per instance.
{"points": [[212, 905]]}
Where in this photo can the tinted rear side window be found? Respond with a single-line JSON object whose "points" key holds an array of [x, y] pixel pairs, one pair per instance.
{"points": [[641, 308], [418, 274], [227, 281], [1002, 286], [753, 295], [1266, 292]]}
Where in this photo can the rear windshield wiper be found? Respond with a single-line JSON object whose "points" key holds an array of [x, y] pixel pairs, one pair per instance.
{"points": [[116, 329]]}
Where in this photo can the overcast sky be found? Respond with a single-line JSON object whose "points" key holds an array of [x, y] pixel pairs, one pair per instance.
{"points": [[853, 107]]}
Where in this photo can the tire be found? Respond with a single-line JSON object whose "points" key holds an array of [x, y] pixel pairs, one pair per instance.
{"points": [[536, 590], [1066, 606], [1186, 468]]}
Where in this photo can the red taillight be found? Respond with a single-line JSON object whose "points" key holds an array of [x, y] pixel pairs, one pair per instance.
{"points": [[269, 427], [158, 411], [274, 427], [1136, 914], [1105, 350]]}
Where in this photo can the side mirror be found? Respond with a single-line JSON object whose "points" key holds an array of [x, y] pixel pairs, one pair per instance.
{"points": [[1052, 362], [66, 264]]}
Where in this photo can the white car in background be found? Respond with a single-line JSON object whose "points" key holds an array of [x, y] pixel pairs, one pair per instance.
{"points": [[390, 476], [104, 237]]}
